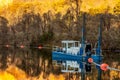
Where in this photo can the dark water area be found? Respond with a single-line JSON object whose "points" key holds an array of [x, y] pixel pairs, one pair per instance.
{"points": [[26, 59], [35, 61]]}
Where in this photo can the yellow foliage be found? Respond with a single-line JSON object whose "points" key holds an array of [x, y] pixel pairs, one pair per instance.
{"points": [[117, 8], [13, 73], [55, 77], [16, 72], [8, 8], [99, 6], [114, 74], [19, 8], [60, 5], [6, 76], [5, 2]]}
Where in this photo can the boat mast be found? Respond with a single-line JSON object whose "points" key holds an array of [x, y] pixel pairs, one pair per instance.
{"points": [[82, 49], [98, 49]]}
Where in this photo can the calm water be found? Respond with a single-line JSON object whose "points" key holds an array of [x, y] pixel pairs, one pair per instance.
{"points": [[35, 61]]}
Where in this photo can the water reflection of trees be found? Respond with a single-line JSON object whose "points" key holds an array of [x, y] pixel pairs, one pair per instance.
{"points": [[113, 61], [33, 62]]}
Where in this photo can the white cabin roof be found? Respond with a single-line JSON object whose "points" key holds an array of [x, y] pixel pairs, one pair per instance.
{"points": [[69, 41]]}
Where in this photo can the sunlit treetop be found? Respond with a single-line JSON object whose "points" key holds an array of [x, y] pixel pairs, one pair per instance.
{"points": [[98, 6], [95, 6], [5, 2], [8, 8]]}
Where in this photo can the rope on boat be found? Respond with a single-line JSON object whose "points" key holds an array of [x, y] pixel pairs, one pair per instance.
{"points": [[102, 66], [113, 69]]}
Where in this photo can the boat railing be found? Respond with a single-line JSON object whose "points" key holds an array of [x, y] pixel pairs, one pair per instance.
{"points": [[57, 48]]}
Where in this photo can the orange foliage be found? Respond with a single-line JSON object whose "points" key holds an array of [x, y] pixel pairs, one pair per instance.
{"points": [[98, 6], [14, 73], [6, 76], [19, 7], [55, 77]]}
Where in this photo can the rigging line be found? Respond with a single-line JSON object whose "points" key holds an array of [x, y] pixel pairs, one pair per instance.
{"points": [[110, 68], [110, 49], [113, 69], [96, 64]]}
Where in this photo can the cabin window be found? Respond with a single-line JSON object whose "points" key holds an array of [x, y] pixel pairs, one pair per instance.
{"points": [[76, 69], [70, 45], [70, 68], [64, 45], [63, 67], [76, 44]]}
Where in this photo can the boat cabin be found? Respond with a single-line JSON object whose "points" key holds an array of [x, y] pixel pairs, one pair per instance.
{"points": [[70, 47]]}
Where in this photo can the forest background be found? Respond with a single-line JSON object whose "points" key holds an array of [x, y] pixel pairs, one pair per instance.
{"points": [[34, 22]]}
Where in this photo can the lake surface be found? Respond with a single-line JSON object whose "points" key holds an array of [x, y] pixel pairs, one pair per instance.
{"points": [[37, 65]]}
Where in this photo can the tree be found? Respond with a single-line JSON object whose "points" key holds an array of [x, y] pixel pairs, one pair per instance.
{"points": [[3, 30], [68, 20], [117, 8]]}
